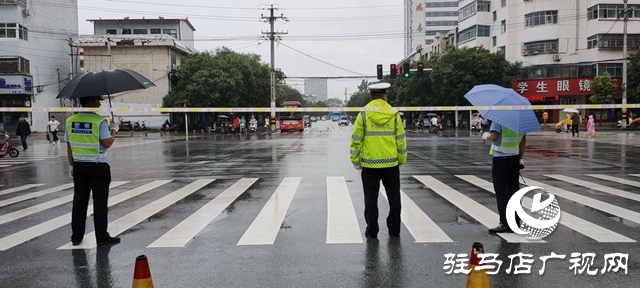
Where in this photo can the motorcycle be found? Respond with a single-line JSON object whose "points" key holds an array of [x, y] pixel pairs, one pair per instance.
{"points": [[253, 128], [139, 127], [6, 147]]}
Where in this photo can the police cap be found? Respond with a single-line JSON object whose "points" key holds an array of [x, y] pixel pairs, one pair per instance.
{"points": [[379, 87]]}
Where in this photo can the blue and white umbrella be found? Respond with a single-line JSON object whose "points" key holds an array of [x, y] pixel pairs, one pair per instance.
{"points": [[520, 121]]}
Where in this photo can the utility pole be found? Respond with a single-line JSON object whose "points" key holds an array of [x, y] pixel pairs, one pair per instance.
{"points": [[272, 37], [345, 96], [624, 65]]}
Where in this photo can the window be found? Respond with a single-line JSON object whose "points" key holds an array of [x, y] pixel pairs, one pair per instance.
{"points": [[503, 3], [467, 10], [171, 32], [442, 14], [442, 4], [473, 32], [139, 31], [592, 41], [503, 26], [13, 30], [617, 41], [155, 31], [126, 31], [494, 41], [540, 47], [112, 31], [434, 32], [614, 69], [484, 6], [428, 41], [16, 65], [541, 18], [495, 16], [502, 49], [611, 11], [484, 31], [427, 23]]}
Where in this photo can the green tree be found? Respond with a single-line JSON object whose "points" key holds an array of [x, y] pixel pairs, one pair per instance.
{"points": [[334, 102], [222, 78], [288, 93], [604, 89], [361, 97], [633, 77]]}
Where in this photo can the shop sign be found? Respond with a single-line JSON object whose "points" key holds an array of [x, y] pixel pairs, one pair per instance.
{"points": [[16, 84], [554, 87]]}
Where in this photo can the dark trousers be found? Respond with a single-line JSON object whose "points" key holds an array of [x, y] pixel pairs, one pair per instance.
{"points": [[371, 183], [23, 139], [90, 178], [55, 135], [505, 172], [574, 129]]}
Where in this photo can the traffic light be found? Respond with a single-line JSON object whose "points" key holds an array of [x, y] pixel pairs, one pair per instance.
{"points": [[406, 69], [393, 72], [420, 69], [380, 71]]}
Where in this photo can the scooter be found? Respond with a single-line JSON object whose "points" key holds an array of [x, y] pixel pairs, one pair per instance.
{"points": [[253, 128], [6, 147], [138, 127]]}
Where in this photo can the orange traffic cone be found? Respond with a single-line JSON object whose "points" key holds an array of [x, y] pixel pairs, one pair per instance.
{"points": [[141, 274], [477, 278]]}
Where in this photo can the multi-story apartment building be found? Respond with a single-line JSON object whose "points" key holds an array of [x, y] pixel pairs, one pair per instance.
{"points": [[562, 44], [317, 88], [34, 56], [150, 47], [426, 18]]}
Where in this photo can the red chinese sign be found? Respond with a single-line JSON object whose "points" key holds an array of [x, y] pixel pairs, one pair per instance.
{"points": [[551, 89]]}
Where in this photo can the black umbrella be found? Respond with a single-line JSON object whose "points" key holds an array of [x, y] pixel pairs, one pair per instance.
{"points": [[94, 84]]}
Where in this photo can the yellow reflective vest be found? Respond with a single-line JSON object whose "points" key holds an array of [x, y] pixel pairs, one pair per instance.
{"points": [[378, 139], [509, 144], [84, 136]]}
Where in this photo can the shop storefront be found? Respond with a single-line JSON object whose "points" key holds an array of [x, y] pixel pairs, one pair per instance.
{"points": [[560, 91], [15, 91]]}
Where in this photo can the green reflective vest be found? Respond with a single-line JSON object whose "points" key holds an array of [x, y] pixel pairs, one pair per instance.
{"points": [[84, 136], [378, 139], [510, 143]]}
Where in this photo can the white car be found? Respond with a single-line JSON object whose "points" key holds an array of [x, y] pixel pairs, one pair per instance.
{"points": [[344, 120]]}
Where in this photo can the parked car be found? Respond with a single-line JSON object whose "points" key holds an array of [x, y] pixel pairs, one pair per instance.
{"points": [[344, 120], [324, 118]]}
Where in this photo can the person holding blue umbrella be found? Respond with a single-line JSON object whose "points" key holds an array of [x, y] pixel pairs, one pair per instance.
{"points": [[508, 136]]}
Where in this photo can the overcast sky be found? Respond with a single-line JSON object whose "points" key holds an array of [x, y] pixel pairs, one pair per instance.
{"points": [[351, 35]]}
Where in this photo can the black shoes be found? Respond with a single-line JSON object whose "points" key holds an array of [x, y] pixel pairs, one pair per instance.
{"points": [[394, 234], [501, 229], [369, 236], [109, 241], [75, 243]]}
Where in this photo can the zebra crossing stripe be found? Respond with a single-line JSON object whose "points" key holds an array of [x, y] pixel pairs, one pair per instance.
{"points": [[53, 224], [595, 186], [580, 225], [13, 162], [46, 205], [421, 227], [616, 179], [485, 216], [35, 194], [635, 175], [596, 204], [265, 227], [21, 188], [125, 222], [342, 222], [181, 234], [4, 166]]}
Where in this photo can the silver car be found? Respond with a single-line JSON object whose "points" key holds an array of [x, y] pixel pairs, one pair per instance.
{"points": [[344, 120]]}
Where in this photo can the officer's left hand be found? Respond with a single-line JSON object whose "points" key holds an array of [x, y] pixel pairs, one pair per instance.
{"points": [[114, 126], [358, 167], [521, 164]]}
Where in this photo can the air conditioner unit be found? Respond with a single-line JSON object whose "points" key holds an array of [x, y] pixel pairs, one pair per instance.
{"points": [[174, 67], [26, 12], [535, 52], [556, 57]]}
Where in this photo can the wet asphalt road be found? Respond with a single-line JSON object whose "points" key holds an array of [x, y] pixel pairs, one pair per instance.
{"points": [[299, 255]]}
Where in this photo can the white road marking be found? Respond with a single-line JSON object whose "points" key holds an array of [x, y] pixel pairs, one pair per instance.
{"points": [[596, 186], [53, 224], [580, 225], [421, 227], [125, 222], [485, 216], [35, 194], [182, 233], [616, 179], [342, 222], [265, 227], [21, 188]]}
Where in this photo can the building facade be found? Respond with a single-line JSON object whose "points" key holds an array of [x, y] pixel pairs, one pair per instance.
{"points": [[155, 56], [316, 88], [34, 58], [424, 19], [562, 44]]}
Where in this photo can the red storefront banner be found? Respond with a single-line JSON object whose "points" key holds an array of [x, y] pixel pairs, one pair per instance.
{"points": [[552, 89]]}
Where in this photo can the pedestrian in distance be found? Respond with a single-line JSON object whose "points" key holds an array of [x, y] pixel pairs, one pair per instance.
{"points": [[378, 148], [545, 118], [88, 136], [52, 126], [508, 152], [591, 127], [24, 130], [575, 122]]}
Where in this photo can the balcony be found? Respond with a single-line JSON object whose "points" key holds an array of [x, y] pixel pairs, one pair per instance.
{"points": [[20, 3]]}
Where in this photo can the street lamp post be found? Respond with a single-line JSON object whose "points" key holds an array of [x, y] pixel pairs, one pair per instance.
{"points": [[624, 66]]}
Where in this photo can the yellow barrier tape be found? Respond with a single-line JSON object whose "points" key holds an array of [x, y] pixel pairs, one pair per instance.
{"points": [[314, 109]]}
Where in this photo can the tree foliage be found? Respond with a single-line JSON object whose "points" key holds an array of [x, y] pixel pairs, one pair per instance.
{"points": [[225, 78], [360, 98], [603, 89], [633, 77]]}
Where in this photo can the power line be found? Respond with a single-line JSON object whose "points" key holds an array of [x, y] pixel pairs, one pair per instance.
{"points": [[314, 58]]}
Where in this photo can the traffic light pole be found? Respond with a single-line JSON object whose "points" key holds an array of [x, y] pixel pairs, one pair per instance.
{"points": [[272, 37], [624, 66]]}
